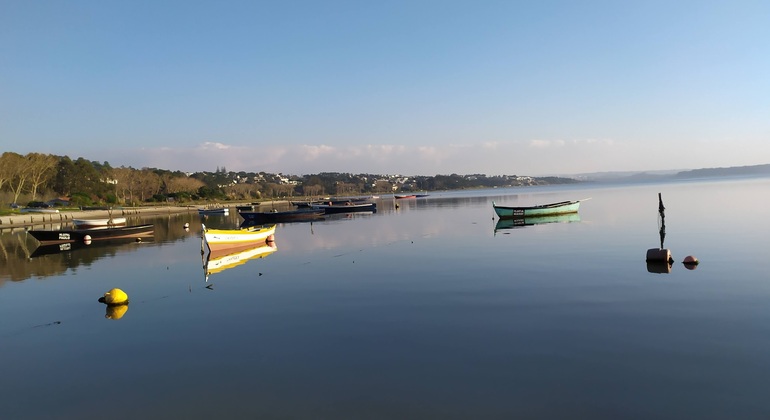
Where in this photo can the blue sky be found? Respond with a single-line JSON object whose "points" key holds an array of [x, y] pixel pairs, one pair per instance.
{"points": [[410, 87]]}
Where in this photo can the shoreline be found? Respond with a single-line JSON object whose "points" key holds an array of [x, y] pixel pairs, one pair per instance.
{"points": [[27, 220], [13, 222]]}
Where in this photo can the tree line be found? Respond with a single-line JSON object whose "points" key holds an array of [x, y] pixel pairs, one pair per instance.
{"points": [[38, 176]]}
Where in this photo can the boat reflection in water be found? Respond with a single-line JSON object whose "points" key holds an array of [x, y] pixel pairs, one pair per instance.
{"points": [[218, 261], [49, 249], [503, 224]]}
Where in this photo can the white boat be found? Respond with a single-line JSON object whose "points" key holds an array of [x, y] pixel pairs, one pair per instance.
{"points": [[552, 209], [38, 210], [98, 223], [221, 239]]}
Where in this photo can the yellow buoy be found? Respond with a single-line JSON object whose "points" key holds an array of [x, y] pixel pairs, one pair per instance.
{"points": [[115, 297]]}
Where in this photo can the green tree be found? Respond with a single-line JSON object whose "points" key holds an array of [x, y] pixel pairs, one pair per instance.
{"points": [[41, 170], [64, 177]]}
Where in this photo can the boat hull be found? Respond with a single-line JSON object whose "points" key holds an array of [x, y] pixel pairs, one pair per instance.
{"points": [[94, 223], [223, 239], [224, 211], [282, 216], [48, 237], [553, 209], [345, 208]]}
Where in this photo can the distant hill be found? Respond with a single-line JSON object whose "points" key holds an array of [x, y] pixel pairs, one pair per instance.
{"points": [[652, 176], [731, 171]]}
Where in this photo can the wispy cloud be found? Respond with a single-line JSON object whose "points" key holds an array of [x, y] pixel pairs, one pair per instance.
{"points": [[214, 146], [540, 144], [535, 157]]}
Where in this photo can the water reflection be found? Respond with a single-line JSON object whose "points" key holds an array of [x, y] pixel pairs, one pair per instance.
{"points": [[74, 246], [503, 224], [659, 267], [115, 311], [21, 256], [219, 261]]}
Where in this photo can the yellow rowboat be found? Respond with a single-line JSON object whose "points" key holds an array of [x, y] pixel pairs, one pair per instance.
{"points": [[223, 239], [218, 261]]}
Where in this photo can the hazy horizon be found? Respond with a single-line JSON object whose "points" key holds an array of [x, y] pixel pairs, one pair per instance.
{"points": [[413, 88]]}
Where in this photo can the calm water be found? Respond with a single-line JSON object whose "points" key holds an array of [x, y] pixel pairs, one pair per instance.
{"points": [[425, 311]]}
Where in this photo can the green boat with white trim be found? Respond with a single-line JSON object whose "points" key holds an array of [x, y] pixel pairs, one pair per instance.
{"points": [[552, 209]]}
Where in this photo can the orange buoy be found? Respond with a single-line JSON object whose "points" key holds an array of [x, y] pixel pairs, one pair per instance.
{"points": [[690, 262]]}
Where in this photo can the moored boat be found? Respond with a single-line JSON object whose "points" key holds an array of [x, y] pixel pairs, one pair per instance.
{"points": [[402, 196], [39, 210], [223, 210], [348, 207], [46, 237], [94, 223], [300, 214], [222, 239], [563, 207]]}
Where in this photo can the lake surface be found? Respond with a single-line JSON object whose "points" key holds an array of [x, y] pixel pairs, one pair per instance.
{"points": [[422, 311]]}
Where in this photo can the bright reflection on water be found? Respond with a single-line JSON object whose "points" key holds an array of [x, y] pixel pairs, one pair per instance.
{"points": [[429, 310]]}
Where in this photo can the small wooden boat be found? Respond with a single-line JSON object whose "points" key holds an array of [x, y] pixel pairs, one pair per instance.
{"points": [[563, 207], [403, 196], [46, 237], [94, 223], [223, 211], [44, 210], [348, 207], [301, 214], [333, 200], [218, 261], [222, 239], [302, 204]]}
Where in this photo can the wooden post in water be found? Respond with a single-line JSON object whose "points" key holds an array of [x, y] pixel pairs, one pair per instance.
{"points": [[660, 254]]}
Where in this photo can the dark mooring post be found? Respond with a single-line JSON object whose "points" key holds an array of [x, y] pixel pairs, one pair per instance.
{"points": [[660, 254], [662, 214]]}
